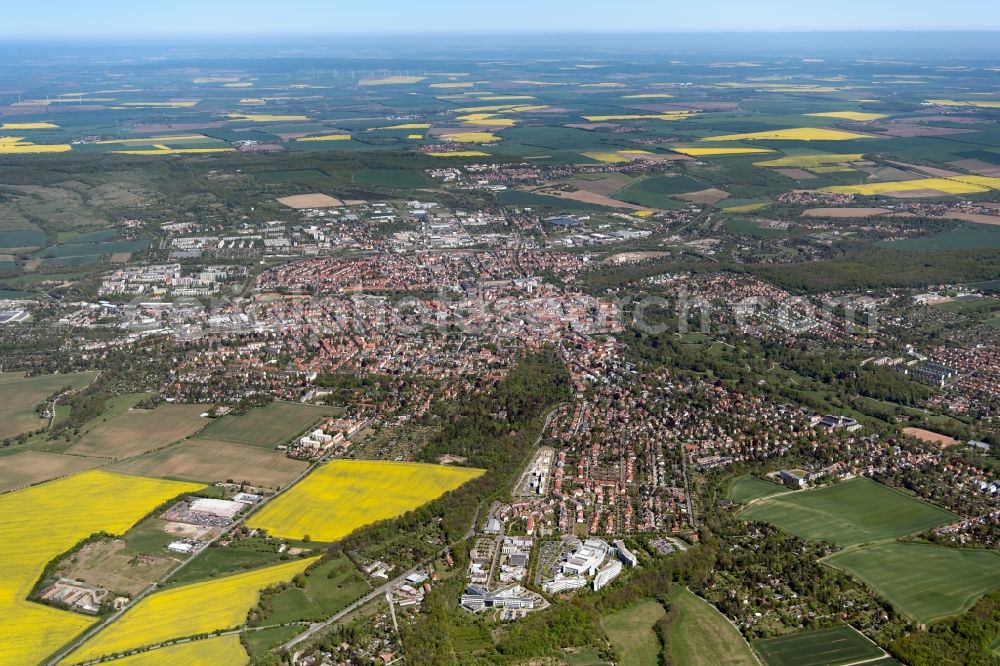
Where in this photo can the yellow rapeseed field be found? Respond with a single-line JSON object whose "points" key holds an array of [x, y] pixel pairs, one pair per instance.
{"points": [[793, 134], [705, 152], [490, 119], [818, 159], [253, 101], [187, 610], [217, 651], [649, 96], [41, 522], [450, 85], [471, 137], [608, 158], [414, 136], [264, 117], [327, 137], [459, 153], [674, 115], [16, 145], [617, 157], [982, 104], [27, 126], [850, 115], [953, 185], [343, 495]]}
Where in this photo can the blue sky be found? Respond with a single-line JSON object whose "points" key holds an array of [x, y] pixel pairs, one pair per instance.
{"points": [[202, 17]]}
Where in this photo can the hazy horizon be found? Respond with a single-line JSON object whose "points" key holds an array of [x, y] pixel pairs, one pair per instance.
{"points": [[187, 18]]}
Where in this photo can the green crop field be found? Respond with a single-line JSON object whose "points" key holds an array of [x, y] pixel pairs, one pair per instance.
{"points": [[328, 588], [923, 581], [701, 636], [836, 646], [654, 192], [20, 395], [848, 513], [965, 237], [746, 488], [631, 632], [268, 426], [259, 643]]}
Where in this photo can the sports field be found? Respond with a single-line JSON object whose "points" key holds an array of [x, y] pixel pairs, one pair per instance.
{"points": [[26, 468], [44, 521], [20, 395], [631, 632], [268, 426], [211, 460], [836, 646], [701, 636], [344, 495], [923, 581], [216, 651], [187, 610], [137, 431], [848, 513], [747, 487]]}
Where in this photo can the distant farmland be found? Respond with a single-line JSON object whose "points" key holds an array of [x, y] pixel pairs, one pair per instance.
{"points": [[19, 396], [137, 431], [848, 513], [268, 426]]}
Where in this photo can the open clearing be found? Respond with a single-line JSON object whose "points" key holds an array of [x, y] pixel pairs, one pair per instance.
{"points": [[848, 513], [27, 468], [187, 610], [923, 581], [19, 395], [944, 441], [111, 565], [836, 646], [701, 636], [138, 431], [343, 495], [631, 631], [44, 521], [746, 488], [216, 651], [212, 460], [268, 426], [300, 201]]}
